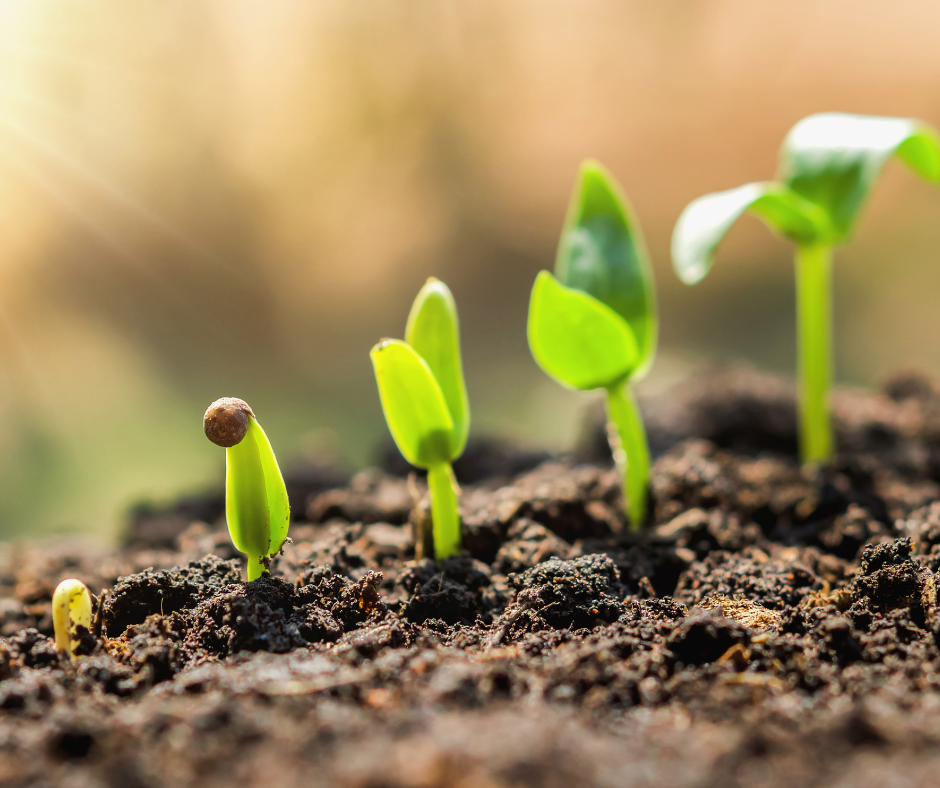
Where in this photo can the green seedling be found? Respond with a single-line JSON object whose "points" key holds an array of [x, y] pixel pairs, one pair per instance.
{"points": [[256, 505], [424, 400], [71, 609], [593, 325], [828, 164]]}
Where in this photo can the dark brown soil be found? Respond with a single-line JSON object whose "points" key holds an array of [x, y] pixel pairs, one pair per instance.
{"points": [[774, 628]]}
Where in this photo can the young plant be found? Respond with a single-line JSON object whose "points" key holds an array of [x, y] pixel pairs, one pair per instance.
{"points": [[424, 400], [71, 609], [256, 505], [593, 325], [828, 164]]}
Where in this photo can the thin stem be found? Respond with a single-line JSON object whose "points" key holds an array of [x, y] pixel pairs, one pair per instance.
{"points": [[255, 567], [631, 451], [814, 346], [446, 521]]}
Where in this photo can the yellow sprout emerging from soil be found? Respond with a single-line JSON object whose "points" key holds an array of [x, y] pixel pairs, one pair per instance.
{"points": [[71, 608]]}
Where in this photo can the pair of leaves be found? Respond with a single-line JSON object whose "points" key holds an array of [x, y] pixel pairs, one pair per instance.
{"points": [[595, 325], [421, 383], [256, 504], [828, 165]]}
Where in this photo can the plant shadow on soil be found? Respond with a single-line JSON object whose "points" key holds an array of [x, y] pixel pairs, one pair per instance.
{"points": [[774, 627]]}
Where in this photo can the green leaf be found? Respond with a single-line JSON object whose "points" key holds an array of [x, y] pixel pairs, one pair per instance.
{"points": [[833, 159], [576, 339], [704, 222], [434, 333], [276, 490], [602, 253], [414, 406], [256, 505]]}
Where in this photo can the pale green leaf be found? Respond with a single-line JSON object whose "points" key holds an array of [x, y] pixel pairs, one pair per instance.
{"points": [[602, 253], [834, 159], [434, 333], [578, 340], [706, 220], [413, 404]]}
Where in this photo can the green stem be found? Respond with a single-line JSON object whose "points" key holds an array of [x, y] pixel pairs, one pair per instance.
{"points": [[444, 516], [632, 454], [814, 345], [255, 567]]}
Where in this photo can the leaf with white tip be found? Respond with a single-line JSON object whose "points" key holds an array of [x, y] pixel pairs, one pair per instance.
{"points": [[833, 159], [706, 220]]}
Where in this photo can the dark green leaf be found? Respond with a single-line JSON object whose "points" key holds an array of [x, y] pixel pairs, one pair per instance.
{"points": [[602, 253]]}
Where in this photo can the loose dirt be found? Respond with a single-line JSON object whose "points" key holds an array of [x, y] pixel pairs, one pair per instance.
{"points": [[773, 627]]}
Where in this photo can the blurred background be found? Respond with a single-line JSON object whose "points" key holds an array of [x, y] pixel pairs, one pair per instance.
{"points": [[236, 197]]}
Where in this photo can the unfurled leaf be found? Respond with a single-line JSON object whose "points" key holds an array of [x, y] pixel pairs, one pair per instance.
{"points": [[413, 403], [833, 159], [576, 339], [434, 334], [704, 222], [602, 253]]}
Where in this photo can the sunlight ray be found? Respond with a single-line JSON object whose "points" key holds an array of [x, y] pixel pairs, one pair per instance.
{"points": [[101, 235], [123, 71], [115, 193]]}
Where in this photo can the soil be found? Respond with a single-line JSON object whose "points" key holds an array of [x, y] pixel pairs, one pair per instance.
{"points": [[773, 627]]}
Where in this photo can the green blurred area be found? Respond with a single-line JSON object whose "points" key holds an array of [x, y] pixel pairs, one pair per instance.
{"points": [[232, 198]]}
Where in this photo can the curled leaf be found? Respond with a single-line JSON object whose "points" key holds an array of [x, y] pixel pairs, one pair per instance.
{"points": [[833, 159], [706, 220]]}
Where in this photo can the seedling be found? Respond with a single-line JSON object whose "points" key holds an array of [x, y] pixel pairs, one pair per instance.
{"points": [[828, 164], [593, 325], [71, 609], [256, 505], [424, 400]]}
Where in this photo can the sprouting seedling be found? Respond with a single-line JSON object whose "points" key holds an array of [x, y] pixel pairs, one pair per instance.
{"points": [[71, 609], [828, 164], [593, 325], [256, 505], [424, 400]]}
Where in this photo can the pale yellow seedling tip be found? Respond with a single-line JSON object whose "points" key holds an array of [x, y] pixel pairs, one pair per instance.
{"points": [[71, 608]]}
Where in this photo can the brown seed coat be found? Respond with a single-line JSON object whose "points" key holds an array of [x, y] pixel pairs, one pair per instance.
{"points": [[226, 421]]}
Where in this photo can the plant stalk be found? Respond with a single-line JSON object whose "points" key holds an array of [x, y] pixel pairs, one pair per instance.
{"points": [[444, 516], [631, 451], [255, 567], [814, 350]]}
